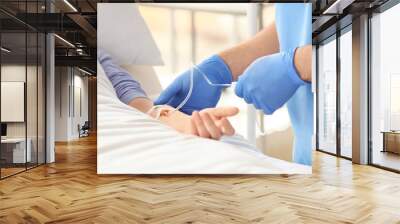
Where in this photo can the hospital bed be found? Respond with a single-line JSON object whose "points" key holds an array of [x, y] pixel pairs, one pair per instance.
{"points": [[130, 142]]}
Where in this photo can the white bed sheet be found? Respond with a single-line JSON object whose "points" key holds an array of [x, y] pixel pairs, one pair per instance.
{"points": [[130, 142]]}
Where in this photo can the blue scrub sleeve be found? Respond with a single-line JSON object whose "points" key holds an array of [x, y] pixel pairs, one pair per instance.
{"points": [[293, 24], [125, 86]]}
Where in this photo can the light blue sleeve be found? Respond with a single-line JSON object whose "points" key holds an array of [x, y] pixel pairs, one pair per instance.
{"points": [[293, 23], [125, 86]]}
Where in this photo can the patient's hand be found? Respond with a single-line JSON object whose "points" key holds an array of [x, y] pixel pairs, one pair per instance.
{"points": [[207, 123], [213, 122]]}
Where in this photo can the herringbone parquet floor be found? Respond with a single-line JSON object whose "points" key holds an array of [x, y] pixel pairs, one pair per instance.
{"points": [[70, 191]]}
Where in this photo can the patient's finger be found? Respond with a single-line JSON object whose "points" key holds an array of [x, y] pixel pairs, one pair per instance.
{"points": [[214, 131], [227, 127], [201, 129], [193, 129], [224, 111]]}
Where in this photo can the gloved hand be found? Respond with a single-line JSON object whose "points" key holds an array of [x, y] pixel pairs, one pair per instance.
{"points": [[203, 95], [269, 82]]}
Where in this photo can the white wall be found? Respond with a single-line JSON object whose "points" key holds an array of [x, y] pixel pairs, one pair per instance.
{"points": [[80, 109], [62, 81], [34, 125], [70, 83], [12, 73]]}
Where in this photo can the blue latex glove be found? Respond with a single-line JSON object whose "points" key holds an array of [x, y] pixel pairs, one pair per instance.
{"points": [[203, 95], [269, 82]]}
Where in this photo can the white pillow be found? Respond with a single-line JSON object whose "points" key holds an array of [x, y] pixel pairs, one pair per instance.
{"points": [[123, 33]]}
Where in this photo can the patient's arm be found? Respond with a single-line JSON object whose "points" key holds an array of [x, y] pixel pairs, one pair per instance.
{"points": [[142, 104], [208, 123], [124, 85]]}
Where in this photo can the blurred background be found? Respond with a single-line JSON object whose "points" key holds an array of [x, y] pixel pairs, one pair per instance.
{"points": [[187, 33]]}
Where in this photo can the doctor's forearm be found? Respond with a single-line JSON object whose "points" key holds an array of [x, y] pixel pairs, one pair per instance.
{"points": [[302, 62], [241, 56]]}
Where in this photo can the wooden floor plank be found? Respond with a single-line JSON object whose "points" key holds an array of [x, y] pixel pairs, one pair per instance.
{"points": [[70, 191]]}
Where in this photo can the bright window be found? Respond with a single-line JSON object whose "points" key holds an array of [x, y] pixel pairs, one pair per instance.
{"points": [[327, 96], [385, 85], [345, 94]]}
